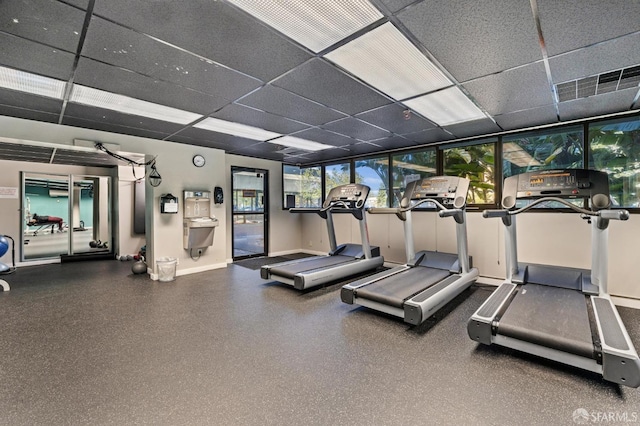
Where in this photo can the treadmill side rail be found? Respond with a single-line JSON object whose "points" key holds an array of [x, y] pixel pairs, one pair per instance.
{"points": [[620, 361], [480, 324], [428, 302], [312, 278]]}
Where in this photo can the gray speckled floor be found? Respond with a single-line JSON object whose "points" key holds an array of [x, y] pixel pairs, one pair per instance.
{"points": [[89, 343]]}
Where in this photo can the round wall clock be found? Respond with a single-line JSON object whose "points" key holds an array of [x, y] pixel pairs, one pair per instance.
{"points": [[198, 160]]}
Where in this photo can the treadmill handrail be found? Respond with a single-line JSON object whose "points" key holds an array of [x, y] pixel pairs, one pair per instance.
{"points": [[396, 210], [605, 214]]}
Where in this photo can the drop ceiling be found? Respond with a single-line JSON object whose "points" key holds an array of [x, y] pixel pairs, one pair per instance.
{"points": [[339, 79]]}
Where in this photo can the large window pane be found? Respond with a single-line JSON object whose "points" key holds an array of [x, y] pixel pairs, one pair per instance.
{"points": [[560, 149], [374, 172], [302, 186], [476, 163], [614, 147], [411, 166], [337, 174]]}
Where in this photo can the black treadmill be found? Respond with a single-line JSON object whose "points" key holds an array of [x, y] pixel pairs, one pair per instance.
{"points": [[559, 313], [342, 260]]}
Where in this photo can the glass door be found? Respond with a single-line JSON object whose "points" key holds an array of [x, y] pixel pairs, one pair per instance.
{"points": [[65, 215], [249, 212], [45, 221]]}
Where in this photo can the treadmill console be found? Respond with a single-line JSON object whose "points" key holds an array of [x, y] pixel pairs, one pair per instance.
{"points": [[447, 190], [567, 183], [353, 194]]}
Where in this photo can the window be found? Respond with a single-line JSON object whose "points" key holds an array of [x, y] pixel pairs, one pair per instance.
{"points": [[410, 166], [614, 147], [374, 172], [476, 163], [302, 186], [336, 174], [530, 152]]}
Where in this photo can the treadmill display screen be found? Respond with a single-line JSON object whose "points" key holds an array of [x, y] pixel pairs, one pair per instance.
{"points": [[548, 181]]}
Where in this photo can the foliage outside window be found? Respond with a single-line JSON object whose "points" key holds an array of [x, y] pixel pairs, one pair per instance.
{"points": [[614, 147], [336, 174], [559, 149], [411, 166], [374, 172], [302, 186], [476, 163], [556, 150]]}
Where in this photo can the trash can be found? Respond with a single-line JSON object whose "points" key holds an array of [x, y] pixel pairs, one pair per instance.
{"points": [[166, 268]]}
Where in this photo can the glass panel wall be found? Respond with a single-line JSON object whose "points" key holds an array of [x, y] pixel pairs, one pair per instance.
{"points": [[336, 174], [614, 146], [374, 172], [302, 186], [410, 166], [476, 163], [559, 149]]}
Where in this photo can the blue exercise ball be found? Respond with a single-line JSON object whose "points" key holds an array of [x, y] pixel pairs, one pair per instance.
{"points": [[4, 245]]}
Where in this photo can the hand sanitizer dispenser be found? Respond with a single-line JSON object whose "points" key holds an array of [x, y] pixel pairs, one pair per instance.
{"points": [[199, 225]]}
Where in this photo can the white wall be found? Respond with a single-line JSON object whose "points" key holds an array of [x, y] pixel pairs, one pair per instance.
{"points": [[547, 238], [164, 232], [284, 227]]}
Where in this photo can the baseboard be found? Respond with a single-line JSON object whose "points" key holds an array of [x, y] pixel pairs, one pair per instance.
{"points": [[38, 262], [284, 253], [626, 302], [314, 252]]}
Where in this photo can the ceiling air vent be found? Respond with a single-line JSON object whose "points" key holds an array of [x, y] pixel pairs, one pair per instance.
{"points": [[290, 151], [607, 82]]}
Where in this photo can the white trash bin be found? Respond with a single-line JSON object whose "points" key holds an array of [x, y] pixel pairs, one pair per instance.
{"points": [[167, 268]]}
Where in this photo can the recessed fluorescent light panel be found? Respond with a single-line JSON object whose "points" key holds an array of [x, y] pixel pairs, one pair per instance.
{"points": [[316, 24], [388, 61], [101, 99], [446, 107], [31, 83], [236, 129], [299, 143]]}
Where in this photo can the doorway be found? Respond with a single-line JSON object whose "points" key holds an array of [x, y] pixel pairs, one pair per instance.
{"points": [[65, 215], [249, 212]]}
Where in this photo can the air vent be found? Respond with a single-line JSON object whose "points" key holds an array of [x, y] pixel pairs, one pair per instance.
{"points": [[290, 151], [607, 82]]}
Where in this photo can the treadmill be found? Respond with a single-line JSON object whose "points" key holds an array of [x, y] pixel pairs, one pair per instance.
{"points": [[342, 261], [559, 313], [429, 279]]}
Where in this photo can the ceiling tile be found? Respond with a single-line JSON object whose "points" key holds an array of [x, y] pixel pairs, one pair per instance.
{"points": [[260, 119], [108, 118], [20, 152], [393, 118], [322, 82], [82, 4], [46, 21], [180, 138], [11, 111], [394, 142], [116, 45], [40, 59], [281, 102], [356, 129], [429, 136], [473, 128], [568, 25], [213, 29], [471, 39], [29, 101], [597, 105], [518, 89], [325, 137], [111, 127], [220, 140], [396, 5], [327, 155], [612, 55], [364, 148], [527, 118], [118, 80]]}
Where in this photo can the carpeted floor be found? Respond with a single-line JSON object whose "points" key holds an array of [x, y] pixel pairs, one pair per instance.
{"points": [[88, 343]]}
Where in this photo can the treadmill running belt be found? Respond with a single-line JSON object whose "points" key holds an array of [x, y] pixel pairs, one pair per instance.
{"points": [[394, 290], [307, 265], [549, 316]]}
